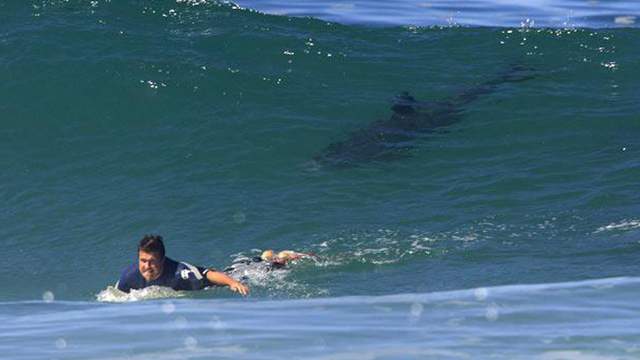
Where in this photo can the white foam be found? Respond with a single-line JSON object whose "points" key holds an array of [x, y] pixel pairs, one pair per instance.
{"points": [[259, 275], [573, 355], [623, 225], [625, 20], [111, 294]]}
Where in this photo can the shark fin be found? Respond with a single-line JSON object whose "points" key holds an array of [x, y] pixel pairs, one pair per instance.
{"points": [[403, 103]]}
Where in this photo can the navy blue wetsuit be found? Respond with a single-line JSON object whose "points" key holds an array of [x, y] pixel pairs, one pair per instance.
{"points": [[176, 275]]}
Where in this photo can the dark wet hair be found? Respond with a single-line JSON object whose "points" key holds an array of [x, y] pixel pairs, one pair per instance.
{"points": [[152, 244]]}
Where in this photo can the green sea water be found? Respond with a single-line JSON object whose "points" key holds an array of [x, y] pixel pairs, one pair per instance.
{"points": [[198, 121]]}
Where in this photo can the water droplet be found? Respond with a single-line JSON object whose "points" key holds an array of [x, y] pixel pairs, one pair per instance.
{"points": [[48, 297], [416, 309], [492, 313], [415, 312], [239, 217], [181, 322], [219, 325], [190, 342], [61, 343], [168, 307], [481, 294]]}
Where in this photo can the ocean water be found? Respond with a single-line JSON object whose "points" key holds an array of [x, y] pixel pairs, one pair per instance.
{"points": [[502, 223]]}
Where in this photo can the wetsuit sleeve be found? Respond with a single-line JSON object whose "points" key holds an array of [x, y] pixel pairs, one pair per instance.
{"points": [[128, 279], [123, 283], [190, 277], [204, 270]]}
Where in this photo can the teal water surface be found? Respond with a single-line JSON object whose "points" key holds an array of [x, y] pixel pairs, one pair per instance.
{"points": [[199, 121]]}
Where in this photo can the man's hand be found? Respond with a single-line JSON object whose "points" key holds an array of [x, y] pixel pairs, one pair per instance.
{"points": [[218, 278], [239, 287]]}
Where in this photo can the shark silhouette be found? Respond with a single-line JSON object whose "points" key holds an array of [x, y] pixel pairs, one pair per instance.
{"points": [[393, 139]]}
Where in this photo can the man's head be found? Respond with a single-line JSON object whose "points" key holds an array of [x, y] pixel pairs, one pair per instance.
{"points": [[267, 255], [151, 257]]}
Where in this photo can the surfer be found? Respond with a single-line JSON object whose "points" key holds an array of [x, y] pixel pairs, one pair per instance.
{"points": [[268, 260], [154, 268]]}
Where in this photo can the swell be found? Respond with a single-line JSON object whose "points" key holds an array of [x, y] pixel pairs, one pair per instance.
{"points": [[122, 121]]}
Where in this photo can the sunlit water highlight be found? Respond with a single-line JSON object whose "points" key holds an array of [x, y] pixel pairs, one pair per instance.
{"points": [[543, 13]]}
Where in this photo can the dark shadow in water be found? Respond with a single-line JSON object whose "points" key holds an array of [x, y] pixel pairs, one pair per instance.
{"points": [[393, 139]]}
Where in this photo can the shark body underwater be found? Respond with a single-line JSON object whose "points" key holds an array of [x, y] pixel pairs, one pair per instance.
{"points": [[392, 139]]}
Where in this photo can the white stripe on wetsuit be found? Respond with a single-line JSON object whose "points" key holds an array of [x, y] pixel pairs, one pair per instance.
{"points": [[194, 270]]}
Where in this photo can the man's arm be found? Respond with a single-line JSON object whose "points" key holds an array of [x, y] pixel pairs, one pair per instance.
{"points": [[124, 284], [218, 278]]}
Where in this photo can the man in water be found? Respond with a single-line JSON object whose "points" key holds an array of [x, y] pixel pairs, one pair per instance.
{"points": [[154, 268], [268, 261]]}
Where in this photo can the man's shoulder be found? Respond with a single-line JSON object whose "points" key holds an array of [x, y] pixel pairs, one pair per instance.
{"points": [[130, 278], [131, 270], [183, 266], [190, 277], [170, 265], [175, 266]]}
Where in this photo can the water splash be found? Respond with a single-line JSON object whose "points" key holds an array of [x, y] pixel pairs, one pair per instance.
{"points": [[269, 282], [621, 226], [112, 294]]}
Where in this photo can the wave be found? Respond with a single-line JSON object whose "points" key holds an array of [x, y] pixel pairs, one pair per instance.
{"points": [[180, 121], [371, 252], [111, 294], [570, 320]]}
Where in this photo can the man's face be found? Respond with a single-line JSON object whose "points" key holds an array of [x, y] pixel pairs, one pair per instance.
{"points": [[150, 265]]}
